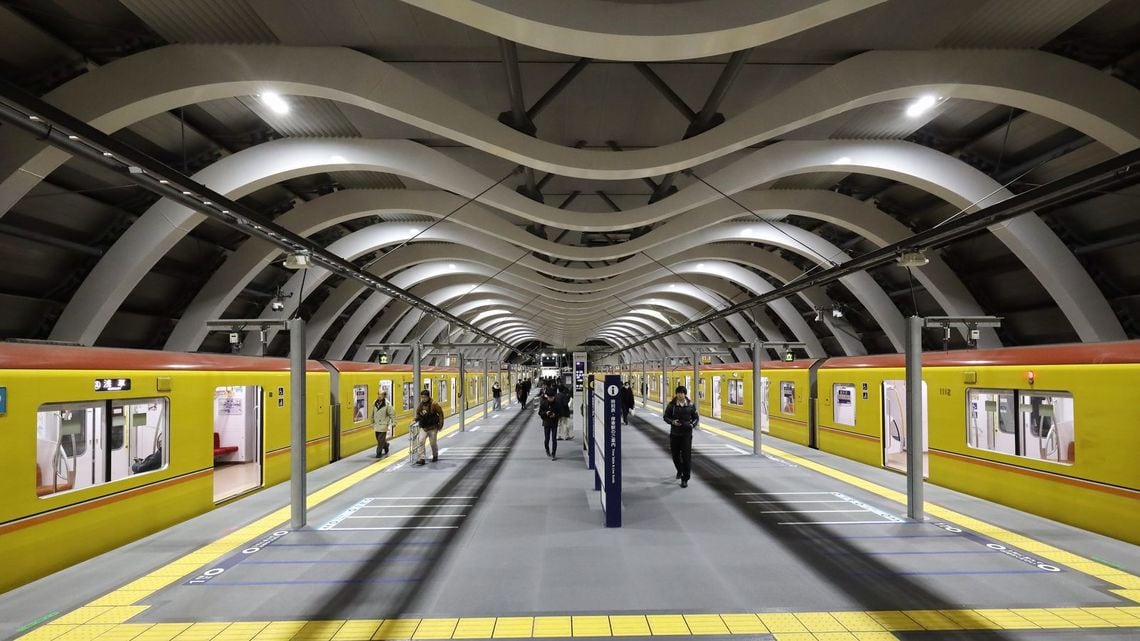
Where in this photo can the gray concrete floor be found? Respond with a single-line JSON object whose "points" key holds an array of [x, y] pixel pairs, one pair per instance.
{"points": [[496, 528]]}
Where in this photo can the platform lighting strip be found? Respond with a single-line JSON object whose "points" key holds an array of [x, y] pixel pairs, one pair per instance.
{"points": [[65, 132], [1100, 176]]}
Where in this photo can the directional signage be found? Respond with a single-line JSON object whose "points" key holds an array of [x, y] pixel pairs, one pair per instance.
{"points": [[610, 445], [112, 384], [3, 400]]}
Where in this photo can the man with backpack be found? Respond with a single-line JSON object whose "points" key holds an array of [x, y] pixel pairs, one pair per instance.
{"points": [[548, 413]]}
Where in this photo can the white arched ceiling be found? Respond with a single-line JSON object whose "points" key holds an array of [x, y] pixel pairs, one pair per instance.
{"points": [[113, 96], [491, 230], [145, 242], [645, 32], [459, 256]]}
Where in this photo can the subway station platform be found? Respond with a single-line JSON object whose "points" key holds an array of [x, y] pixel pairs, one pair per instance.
{"points": [[498, 541]]}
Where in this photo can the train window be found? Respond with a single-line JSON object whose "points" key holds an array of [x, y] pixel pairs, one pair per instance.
{"points": [[735, 392], [81, 445], [409, 395], [1047, 426], [787, 397], [1036, 425], [843, 403]]}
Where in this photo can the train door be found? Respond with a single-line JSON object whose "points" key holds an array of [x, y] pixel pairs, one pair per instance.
{"points": [[716, 397], [763, 404], [238, 438], [894, 427], [689, 387]]}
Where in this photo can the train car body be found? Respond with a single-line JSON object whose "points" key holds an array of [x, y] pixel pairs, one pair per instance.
{"points": [[1048, 430], [118, 444]]}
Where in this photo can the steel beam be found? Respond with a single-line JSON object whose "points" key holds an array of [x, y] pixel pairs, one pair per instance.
{"points": [[661, 86], [556, 88]]}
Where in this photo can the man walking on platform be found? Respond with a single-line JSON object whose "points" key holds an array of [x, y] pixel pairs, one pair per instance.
{"points": [[383, 420], [429, 415], [497, 394], [548, 412], [681, 415], [626, 402], [565, 425]]}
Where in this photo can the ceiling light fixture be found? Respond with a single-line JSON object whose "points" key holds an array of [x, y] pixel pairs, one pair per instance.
{"points": [[922, 105], [275, 102]]}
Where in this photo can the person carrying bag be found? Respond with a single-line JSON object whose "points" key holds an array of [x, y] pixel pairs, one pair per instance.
{"points": [[429, 416], [681, 415], [383, 421]]}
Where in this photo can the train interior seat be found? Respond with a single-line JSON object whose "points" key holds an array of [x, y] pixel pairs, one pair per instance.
{"points": [[222, 451]]}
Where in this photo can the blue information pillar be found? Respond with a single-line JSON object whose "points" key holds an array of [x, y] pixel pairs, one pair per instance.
{"points": [[608, 447], [588, 441]]}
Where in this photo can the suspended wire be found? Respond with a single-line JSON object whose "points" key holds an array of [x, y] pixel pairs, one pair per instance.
{"points": [[830, 261], [488, 279], [470, 200], [300, 296]]}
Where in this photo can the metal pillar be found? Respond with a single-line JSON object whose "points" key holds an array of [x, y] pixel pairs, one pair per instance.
{"points": [[757, 396], [696, 391], [486, 388], [644, 384], [417, 349], [462, 395], [297, 422], [914, 445]]}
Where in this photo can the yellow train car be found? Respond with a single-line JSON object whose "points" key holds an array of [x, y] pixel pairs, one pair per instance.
{"points": [[118, 444], [1047, 430]]}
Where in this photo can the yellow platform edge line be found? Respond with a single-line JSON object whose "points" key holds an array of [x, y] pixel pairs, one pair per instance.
{"points": [[821, 624], [142, 587]]}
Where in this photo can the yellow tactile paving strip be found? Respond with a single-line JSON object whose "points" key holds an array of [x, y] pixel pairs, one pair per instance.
{"points": [[808, 626], [105, 619], [1129, 582]]}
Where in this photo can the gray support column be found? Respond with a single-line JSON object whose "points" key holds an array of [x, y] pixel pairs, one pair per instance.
{"points": [[696, 391], [644, 383], [757, 398], [462, 396], [297, 422], [417, 349], [914, 445], [486, 388]]}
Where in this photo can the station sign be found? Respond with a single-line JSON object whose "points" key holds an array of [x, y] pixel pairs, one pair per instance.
{"points": [[112, 384]]}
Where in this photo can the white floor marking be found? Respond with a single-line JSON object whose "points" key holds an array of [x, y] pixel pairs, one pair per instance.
{"points": [[781, 493], [775, 512], [400, 507], [835, 522], [798, 501], [476, 428], [399, 527], [733, 447], [419, 498], [409, 516]]}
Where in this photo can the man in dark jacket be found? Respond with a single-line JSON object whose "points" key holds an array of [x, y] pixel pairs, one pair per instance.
{"points": [[548, 412], [681, 415], [565, 426], [626, 402]]}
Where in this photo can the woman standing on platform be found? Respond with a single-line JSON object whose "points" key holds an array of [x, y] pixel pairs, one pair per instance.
{"points": [[681, 415], [430, 417], [383, 420]]}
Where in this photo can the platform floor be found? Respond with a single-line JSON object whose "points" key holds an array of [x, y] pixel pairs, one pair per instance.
{"points": [[498, 541]]}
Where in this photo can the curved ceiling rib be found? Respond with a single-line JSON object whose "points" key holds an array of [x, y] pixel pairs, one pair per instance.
{"points": [[165, 223], [112, 97], [613, 31], [488, 232]]}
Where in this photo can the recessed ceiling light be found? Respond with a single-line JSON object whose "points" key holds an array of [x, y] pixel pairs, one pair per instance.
{"points": [[275, 102], [451, 266], [414, 230], [700, 265], [921, 106], [73, 137]]}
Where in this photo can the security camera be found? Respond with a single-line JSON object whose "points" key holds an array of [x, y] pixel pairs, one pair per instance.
{"points": [[277, 305]]}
